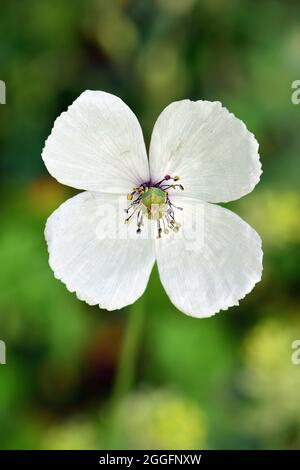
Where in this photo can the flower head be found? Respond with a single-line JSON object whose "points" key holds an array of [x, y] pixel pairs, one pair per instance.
{"points": [[208, 258]]}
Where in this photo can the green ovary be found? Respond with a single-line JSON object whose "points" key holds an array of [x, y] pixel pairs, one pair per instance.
{"points": [[154, 200]]}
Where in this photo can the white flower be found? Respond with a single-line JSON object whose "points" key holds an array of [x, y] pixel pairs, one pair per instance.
{"points": [[199, 154]]}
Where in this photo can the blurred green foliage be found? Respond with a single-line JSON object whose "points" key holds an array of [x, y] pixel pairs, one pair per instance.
{"points": [[224, 382]]}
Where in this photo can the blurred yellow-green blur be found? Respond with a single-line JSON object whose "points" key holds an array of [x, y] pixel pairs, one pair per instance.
{"points": [[227, 382]]}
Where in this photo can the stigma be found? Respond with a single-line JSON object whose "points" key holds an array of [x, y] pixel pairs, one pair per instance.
{"points": [[153, 202]]}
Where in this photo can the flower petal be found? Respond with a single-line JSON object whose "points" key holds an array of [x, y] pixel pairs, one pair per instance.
{"points": [[210, 149], [97, 144], [212, 263], [90, 251]]}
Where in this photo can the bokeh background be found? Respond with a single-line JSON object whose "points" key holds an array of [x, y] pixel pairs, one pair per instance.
{"points": [[221, 383]]}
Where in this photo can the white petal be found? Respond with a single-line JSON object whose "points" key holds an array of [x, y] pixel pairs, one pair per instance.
{"points": [[97, 144], [212, 263], [93, 254], [210, 149]]}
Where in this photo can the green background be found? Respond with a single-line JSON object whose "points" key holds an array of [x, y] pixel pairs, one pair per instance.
{"points": [[225, 382]]}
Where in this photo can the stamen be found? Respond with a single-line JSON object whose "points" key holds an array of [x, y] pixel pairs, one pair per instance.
{"points": [[154, 202], [159, 229]]}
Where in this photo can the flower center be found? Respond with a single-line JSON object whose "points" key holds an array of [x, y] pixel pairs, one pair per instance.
{"points": [[153, 202]]}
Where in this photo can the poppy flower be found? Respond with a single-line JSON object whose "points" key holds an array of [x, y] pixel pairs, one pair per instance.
{"points": [[200, 154]]}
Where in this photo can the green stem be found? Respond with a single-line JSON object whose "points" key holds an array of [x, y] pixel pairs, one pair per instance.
{"points": [[126, 370]]}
